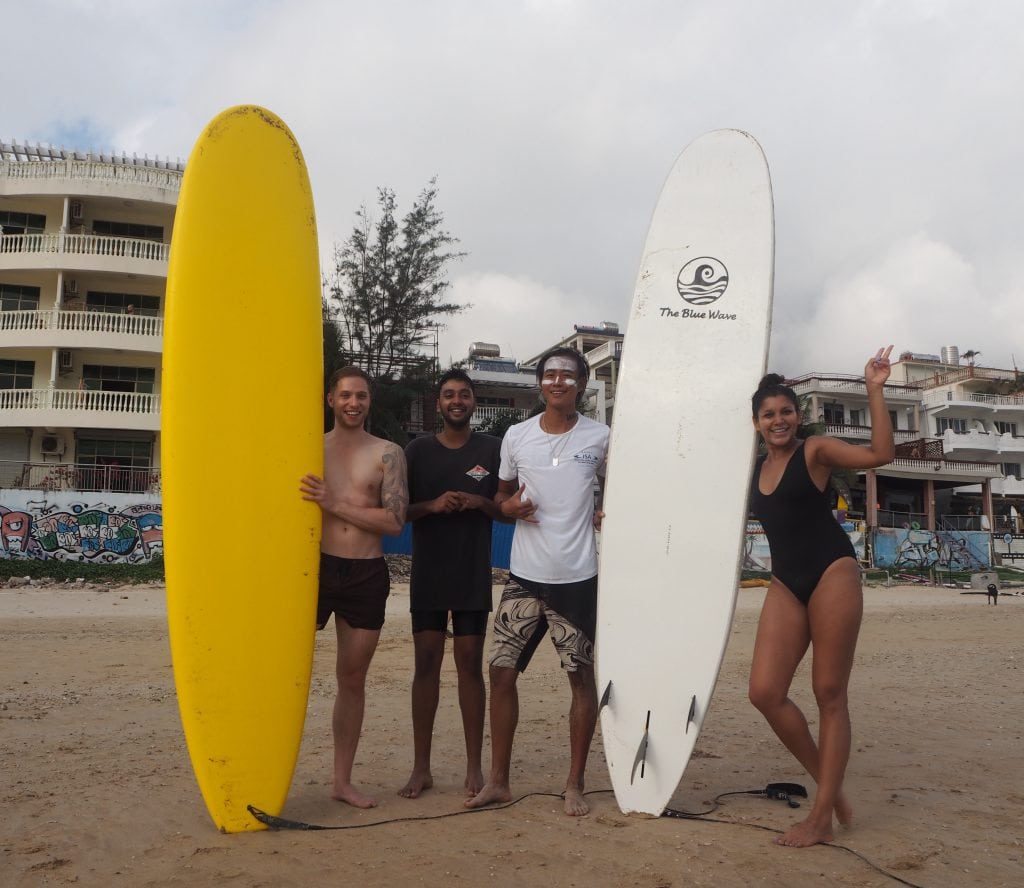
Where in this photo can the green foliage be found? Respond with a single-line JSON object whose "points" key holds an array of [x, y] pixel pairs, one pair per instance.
{"points": [[385, 298], [499, 423], [153, 572]]}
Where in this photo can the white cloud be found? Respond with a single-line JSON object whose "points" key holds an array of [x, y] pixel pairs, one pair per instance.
{"points": [[520, 315], [890, 131], [920, 295]]}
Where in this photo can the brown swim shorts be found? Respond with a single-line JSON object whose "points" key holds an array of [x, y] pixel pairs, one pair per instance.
{"points": [[354, 590]]}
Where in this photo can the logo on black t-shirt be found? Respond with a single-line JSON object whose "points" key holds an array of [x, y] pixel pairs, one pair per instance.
{"points": [[478, 473]]}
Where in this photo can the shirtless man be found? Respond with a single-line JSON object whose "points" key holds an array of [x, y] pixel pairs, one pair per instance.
{"points": [[362, 496]]}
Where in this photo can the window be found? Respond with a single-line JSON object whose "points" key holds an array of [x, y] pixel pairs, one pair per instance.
{"points": [[833, 414], [16, 297], [101, 378], [22, 223], [116, 303], [114, 464], [495, 402], [1011, 470], [942, 423], [857, 417], [17, 374], [1006, 428], [128, 229]]}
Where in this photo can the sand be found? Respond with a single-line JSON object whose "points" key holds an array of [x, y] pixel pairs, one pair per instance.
{"points": [[97, 788]]}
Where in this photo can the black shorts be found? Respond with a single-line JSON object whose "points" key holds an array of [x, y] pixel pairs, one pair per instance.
{"points": [[354, 589], [463, 622]]}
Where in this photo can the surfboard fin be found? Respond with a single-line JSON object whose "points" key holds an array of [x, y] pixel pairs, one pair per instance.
{"points": [[693, 712], [606, 697], [641, 752]]}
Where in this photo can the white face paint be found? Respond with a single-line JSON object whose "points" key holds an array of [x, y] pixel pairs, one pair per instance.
{"points": [[561, 367]]}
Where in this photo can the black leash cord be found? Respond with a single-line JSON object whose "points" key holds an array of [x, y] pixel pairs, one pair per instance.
{"points": [[280, 823]]}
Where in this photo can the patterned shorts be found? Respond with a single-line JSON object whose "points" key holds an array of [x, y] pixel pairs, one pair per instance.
{"points": [[520, 621]]}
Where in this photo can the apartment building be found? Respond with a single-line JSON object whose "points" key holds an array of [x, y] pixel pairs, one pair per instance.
{"points": [[84, 246], [959, 435]]}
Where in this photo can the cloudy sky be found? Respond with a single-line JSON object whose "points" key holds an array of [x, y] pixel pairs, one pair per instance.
{"points": [[893, 130]]}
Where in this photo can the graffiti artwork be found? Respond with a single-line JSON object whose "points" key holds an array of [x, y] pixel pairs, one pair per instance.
{"points": [[948, 549], [94, 532]]}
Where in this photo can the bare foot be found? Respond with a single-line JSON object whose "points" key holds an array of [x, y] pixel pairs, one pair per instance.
{"points": [[491, 794], [844, 812], [575, 804], [474, 782], [419, 781], [805, 834], [352, 796]]}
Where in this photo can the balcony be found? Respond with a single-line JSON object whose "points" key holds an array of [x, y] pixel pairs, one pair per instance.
{"points": [[958, 470], [487, 413], [964, 373], [52, 477], [612, 349], [61, 328], [71, 408], [863, 433], [978, 403], [851, 385], [84, 252], [111, 175]]}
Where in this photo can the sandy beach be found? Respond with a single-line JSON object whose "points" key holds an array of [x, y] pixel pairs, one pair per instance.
{"points": [[97, 787]]}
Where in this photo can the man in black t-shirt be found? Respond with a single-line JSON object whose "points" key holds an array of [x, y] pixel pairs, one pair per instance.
{"points": [[453, 477]]}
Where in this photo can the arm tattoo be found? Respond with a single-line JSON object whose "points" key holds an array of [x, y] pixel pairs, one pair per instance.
{"points": [[394, 491]]}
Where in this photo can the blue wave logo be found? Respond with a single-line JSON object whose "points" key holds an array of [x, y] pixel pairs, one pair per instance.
{"points": [[702, 281]]}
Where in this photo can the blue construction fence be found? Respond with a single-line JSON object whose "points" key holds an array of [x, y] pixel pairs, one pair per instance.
{"points": [[501, 543]]}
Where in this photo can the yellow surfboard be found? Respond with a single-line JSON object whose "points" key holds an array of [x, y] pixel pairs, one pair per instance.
{"points": [[242, 423]]}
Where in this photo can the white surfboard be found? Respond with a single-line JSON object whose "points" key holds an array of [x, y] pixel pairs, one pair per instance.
{"points": [[679, 462]]}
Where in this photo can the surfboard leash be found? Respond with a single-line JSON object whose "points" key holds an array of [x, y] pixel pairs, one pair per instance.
{"points": [[779, 791], [782, 792], [275, 822]]}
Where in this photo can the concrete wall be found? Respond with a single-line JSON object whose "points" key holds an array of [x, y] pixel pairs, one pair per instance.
{"points": [[101, 528]]}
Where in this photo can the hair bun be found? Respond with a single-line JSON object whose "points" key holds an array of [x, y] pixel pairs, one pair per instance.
{"points": [[770, 379]]}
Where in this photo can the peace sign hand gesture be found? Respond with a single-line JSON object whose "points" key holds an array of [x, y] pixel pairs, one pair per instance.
{"points": [[877, 370]]}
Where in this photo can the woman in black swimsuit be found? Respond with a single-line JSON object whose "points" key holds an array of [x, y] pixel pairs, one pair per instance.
{"points": [[815, 593]]}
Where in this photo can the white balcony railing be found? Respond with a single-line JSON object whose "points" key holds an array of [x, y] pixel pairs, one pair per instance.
{"points": [[81, 321], [95, 171], [854, 385], [84, 245], [69, 476], [486, 413], [610, 349], [79, 399], [936, 399], [863, 433]]}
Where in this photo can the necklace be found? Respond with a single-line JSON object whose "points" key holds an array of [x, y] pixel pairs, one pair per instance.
{"points": [[563, 441]]}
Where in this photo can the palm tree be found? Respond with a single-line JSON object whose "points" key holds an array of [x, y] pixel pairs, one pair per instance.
{"points": [[970, 355]]}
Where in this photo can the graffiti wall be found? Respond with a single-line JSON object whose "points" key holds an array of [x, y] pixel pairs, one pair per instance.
{"points": [[951, 549], [756, 555], [68, 526]]}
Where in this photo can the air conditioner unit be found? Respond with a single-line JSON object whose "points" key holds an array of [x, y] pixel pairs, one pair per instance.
{"points": [[65, 360], [52, 445], [76, 211], [73, 286]]}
